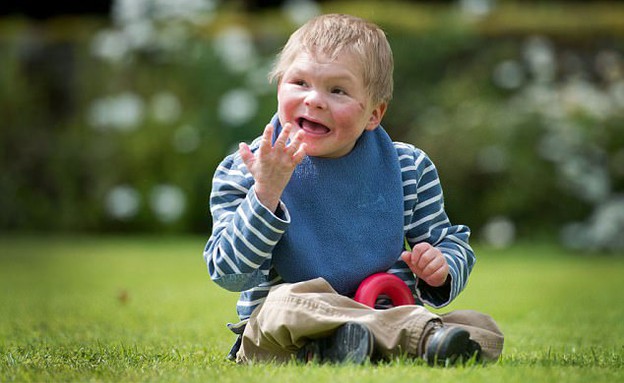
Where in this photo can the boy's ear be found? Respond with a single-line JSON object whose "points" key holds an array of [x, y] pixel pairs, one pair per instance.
{"points": [[376, 116]]}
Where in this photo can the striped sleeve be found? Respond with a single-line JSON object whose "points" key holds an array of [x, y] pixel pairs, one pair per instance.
{"points": [[426, 221], [244, 232]]}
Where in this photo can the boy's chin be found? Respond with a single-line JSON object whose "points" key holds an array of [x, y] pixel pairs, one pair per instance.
{"points": [[324, 153], [315, 151]]}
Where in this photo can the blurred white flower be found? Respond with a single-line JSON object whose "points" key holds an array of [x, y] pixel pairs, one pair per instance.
{"points": [[237, 107], [234, 45], [540, 57], [122, 202], [560, 141], [300, 11], [584, 96], [543, 99], [509, 74], [127, 11], [168, 202], [189, 10], [476, 8], [616, 91], [499, 232], [146, 24], [607, 224], [123, 112], [109, 45], [166, 107], [549, 147], [587, 179], [140, 34], [602, 231]]}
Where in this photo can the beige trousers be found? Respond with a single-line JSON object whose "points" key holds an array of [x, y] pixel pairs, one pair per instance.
{"points": [[293, 314]]}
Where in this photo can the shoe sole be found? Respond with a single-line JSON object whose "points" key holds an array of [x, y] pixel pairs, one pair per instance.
{"points": [[450, 347], [351, 343]]}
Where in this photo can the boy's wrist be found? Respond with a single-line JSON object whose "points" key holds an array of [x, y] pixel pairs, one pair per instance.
{"points": [[267, 197], [277, 217]]}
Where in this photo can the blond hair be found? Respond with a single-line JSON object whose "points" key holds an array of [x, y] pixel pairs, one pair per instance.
{"points": [[334, 34]]}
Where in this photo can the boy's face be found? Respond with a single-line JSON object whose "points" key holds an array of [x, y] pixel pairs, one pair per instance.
{"points": [[328, 101]]}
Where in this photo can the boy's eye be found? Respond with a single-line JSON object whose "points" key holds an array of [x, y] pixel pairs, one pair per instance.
{"points": [[338, 91], [299, 82]]}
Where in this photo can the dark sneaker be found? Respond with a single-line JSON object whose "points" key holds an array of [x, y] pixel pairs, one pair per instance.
{"points": [[350, 343], [450, 345]]}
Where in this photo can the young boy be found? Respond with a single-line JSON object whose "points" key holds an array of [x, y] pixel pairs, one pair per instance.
{"points": [[324, 199]]}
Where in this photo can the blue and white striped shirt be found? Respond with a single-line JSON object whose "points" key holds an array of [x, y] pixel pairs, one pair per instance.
{"points": [[238, 253]]}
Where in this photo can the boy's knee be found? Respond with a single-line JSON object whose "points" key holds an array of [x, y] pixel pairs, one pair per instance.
{"points": [[472, 318], [482, 328]]}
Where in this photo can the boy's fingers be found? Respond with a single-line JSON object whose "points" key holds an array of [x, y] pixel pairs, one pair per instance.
{"points": [[246, 154], [295, 144], [296, 141], [283, 136], [426, 258], [437, 278], [411, 261], [299, 154], [433, 266], [267, 137], [417, 254], [406, 256], [420, 248]]}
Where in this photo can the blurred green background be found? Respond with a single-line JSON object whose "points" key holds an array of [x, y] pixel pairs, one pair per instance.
{"points": [[114, 121]]}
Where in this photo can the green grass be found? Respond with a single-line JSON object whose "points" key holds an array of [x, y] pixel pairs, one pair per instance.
{"points": [[144, 309]]}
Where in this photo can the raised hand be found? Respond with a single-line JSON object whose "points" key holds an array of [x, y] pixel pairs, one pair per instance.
{"points": [[427, 263], [273, 164]]}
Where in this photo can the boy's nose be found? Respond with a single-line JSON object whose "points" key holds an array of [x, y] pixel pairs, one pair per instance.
{"points": [[314, 100]]}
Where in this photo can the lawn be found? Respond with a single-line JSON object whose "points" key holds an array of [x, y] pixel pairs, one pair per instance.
{"points": [[144, 309]]}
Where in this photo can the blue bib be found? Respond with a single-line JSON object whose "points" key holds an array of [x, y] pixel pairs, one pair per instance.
{"points": [[346, 215]]}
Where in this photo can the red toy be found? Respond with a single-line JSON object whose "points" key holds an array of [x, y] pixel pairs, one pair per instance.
{"points": [[387, 284]]}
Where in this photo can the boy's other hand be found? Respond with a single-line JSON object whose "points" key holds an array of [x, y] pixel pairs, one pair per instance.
{"points": [[273, 164], [427, 263]]}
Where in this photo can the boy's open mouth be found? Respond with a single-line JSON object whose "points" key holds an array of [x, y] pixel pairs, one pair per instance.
{"points": [[311, 126]]}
